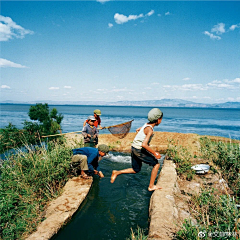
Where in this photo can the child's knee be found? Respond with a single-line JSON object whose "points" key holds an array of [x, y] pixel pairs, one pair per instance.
{"points": [[157, 165]]}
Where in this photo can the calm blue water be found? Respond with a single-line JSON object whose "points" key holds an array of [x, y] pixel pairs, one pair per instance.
{"points": [[203, 121]]}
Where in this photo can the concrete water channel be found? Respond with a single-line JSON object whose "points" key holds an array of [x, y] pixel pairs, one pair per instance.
{"points": [[111, 210]]}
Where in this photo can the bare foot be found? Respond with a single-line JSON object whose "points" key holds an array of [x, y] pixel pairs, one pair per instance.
{"points": [[85, 176], [114, 175], [154, 188]]}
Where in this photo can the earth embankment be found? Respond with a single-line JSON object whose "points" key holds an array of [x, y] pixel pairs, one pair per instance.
{"points": [[159, 142]]}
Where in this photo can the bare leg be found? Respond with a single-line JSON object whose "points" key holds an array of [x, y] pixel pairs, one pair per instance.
{"points": [[154, 172], [116, 173]]}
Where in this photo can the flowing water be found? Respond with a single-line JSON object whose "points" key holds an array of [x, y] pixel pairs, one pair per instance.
{"points": [[111, 210]]}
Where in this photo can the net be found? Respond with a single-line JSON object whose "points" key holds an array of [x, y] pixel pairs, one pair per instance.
{"points": [[120, 130]]}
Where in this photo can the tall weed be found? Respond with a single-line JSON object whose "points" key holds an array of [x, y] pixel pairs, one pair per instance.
{"points": [[227, 157], [182, 157], [28, 181], [138, 234]]}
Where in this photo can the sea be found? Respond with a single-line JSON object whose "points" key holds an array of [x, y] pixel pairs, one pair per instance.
{"points": [[223, 122]]}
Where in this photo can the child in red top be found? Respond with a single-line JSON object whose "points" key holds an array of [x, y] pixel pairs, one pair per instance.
{"points": [[97, 123]]}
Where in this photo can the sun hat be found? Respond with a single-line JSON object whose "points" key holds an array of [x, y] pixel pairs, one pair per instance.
{"points": [[154, 114], [103, 148], [91, 118], [97, 111]]}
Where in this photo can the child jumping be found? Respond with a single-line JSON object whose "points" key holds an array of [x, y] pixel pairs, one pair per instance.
{"points": [[142, 152]]}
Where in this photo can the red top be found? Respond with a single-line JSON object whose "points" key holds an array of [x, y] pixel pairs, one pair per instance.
{"points": [[97, 122]]}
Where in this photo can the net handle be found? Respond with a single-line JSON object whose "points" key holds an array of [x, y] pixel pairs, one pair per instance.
{"points": [[60, 134]]}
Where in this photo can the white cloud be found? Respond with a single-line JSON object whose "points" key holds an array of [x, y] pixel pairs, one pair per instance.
{"points": [[216, 81], [191, 87], [236, 80], [233, 27], [185, 87], [53, 88], [219, 28], [6, 63], [103, 1], [121, 90], [110, 25], [150, 13], [186, 79], [120, 18], [167, 13], [67, 87], [212, 36], [9, 29], [219, 84], [5, 86]]}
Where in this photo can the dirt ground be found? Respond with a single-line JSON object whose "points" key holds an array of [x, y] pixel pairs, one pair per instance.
{"points": [[159, 142]]}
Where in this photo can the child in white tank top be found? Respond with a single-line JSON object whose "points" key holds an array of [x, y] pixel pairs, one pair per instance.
{"points": [[142, 152]]}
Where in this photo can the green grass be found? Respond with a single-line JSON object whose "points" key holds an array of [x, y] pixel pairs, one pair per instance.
{"points": [[216, 214], [182, 157], [226, 156], [28, 182], [138, 234]]}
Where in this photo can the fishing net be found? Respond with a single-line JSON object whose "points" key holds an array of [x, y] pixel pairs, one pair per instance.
{"points": [[120, 130]]}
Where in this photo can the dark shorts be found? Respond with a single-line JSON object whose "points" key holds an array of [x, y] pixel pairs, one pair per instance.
{"points": [[142, 155]]}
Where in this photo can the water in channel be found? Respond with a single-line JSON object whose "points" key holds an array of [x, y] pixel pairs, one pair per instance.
{"points": [[111, 210]]}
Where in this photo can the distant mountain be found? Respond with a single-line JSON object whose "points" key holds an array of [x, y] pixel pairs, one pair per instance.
{"points": [[160, 103], [227, 105], [147, 103]]}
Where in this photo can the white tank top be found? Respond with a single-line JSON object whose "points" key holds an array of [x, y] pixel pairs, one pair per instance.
{"points": [[138, 140]]}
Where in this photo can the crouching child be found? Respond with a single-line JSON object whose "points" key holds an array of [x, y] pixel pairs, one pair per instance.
{"points": [[87, 159]]}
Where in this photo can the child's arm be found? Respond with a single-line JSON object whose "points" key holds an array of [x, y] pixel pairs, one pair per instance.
{"points": [[148, 131], [85, 132], [137, 130], [96, 132]]}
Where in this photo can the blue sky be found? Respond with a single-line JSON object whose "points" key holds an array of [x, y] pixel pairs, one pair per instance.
{"points": [[120, 50]]}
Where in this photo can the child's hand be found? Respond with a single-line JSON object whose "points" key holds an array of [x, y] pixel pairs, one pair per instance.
{"points": [[100, 174], [157, 155], [137, 130]]}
